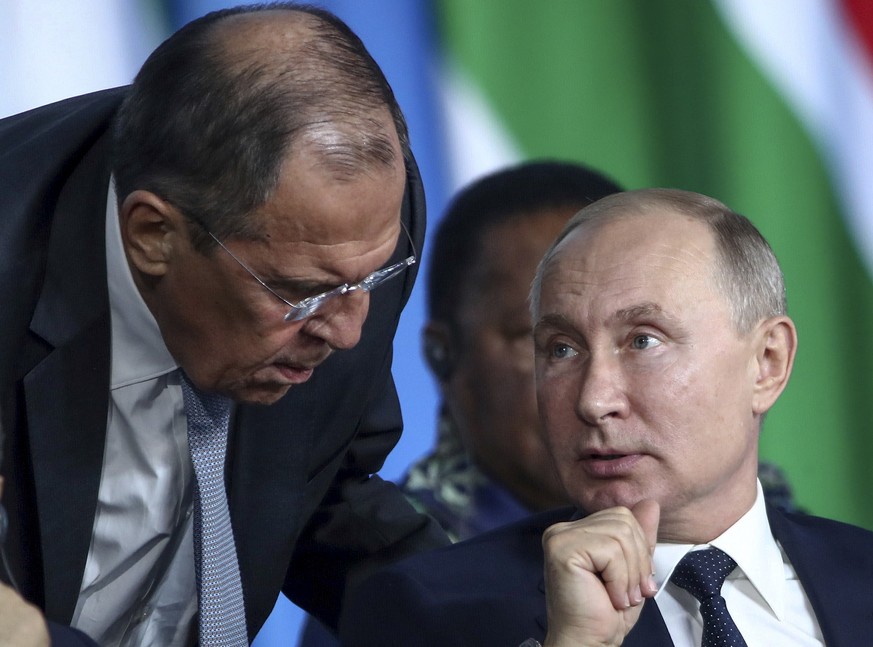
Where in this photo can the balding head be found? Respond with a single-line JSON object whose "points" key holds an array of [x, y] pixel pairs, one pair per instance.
{"points": [[746, 270], [221, 105]]}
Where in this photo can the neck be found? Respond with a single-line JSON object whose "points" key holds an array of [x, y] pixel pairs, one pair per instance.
{"points": [[703, 522]]}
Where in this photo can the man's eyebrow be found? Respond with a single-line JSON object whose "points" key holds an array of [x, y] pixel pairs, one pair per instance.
{"points": [[646, 309], [299, 285], [628, 314], [552, 320]]}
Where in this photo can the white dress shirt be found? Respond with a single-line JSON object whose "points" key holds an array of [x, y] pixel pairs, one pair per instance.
{"points": [[139, 586], [763, 595]]}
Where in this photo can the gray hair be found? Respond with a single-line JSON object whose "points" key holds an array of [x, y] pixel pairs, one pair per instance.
{"points": [[746, 269], [209, 121]]}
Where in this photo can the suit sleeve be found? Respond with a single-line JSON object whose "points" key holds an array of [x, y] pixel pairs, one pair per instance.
{"points": [[63, 636], [362, 524], [486, 591], [393, 608]]}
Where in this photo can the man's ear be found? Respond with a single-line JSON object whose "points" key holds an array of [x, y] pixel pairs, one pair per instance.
{"points": [[438, 350], [150, 230], [776, 340]]}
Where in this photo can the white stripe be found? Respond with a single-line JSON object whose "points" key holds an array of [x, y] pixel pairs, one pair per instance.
{"points": [[477, 142], [54, 49], [805, 48]]}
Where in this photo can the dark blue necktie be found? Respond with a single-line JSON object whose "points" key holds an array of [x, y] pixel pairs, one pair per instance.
{"points": [[701, 573], [220, 597]]}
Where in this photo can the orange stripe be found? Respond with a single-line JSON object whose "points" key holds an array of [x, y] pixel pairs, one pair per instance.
{"points": [[860, 16]]}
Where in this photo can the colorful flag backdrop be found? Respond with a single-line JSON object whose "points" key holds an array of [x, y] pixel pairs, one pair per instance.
{"points": [[767, 106]]}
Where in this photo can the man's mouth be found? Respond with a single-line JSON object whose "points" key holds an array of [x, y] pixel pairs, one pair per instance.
{"points": [[606, 457], [610, 463], [295, 374]]}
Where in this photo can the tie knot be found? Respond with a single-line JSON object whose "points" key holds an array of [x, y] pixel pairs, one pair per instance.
{"points": [[207, 413], [702, 572]]}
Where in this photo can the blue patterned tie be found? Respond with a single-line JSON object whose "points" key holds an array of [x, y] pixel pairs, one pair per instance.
{"points": [[701, 573], [222, 611]]}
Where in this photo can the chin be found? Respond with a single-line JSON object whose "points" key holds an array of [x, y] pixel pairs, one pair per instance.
{"points": [[263, 394], [595, 499]]}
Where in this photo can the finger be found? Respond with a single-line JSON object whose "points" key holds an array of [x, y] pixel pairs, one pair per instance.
{"points": [[648, 515], [629, 563], [610, 544], [590, 545]]}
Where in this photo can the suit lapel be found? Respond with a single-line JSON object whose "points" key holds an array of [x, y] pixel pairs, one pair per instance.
{"points": [[649, 631], [830, 577], [66, 389], [267, 485]]}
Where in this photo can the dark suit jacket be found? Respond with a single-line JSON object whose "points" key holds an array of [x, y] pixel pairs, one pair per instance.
{"points": [[63, 636], [305, 510], [490, 591]]}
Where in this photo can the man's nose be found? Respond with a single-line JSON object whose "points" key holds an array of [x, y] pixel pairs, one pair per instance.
{"points": [[340, 327], [602, 392]]}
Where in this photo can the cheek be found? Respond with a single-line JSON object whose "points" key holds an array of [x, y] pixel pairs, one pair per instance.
{"points": [[275, 338], [675, 389], [682, 409], [255, 346], [557, 416]]}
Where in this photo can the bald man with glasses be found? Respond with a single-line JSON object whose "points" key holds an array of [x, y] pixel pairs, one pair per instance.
{"points": [[202, 275]]}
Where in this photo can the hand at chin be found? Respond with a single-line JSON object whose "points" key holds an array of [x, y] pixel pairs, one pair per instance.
{"points": [[598, 574]]}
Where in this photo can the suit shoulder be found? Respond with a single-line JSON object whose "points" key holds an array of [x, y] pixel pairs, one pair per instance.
{"points": [[93, 101], [815, 542], [59, 126], [831, 530], [834, 562]]}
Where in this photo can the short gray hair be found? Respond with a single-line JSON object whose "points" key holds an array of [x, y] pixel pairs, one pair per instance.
{"points": [[209, 121], [746, 270]]}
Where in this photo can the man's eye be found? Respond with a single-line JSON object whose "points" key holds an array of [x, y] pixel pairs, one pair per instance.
{"points": [[642, 342], [563, 351]]}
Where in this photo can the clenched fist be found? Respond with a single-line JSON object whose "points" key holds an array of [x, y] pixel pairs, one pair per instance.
{"points": [[598, 572]]}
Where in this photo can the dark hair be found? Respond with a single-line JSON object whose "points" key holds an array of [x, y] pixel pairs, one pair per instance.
{"points": [[524, 190], [207, 126]]}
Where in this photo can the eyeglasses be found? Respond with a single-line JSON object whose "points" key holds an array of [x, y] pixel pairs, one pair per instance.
{"points": [[310, 305]]}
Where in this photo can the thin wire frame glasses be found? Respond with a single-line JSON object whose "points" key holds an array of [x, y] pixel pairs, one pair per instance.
{"points": [[310, 305]]}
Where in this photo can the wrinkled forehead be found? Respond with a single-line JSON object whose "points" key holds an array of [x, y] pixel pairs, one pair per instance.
{"points": [[318, 198], [630, 246], [626, 235]]}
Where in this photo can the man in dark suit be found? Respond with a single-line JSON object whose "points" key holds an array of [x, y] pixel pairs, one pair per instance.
{"points": [[661, 341], [247, 208]]}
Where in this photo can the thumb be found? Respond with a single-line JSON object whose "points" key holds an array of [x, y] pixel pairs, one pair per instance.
{"points": [[648, 513]]}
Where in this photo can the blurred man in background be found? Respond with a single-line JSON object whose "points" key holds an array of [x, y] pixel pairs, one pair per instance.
{"points": [[489, 465]]}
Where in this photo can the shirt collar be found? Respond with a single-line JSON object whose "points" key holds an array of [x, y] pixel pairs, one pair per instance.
{"points": [[138, 349], [750, 543]]}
